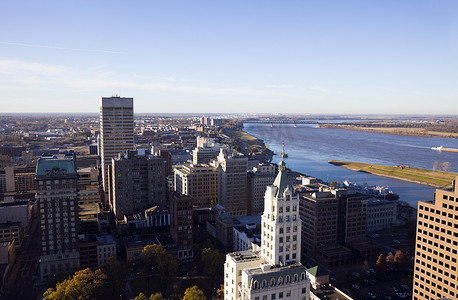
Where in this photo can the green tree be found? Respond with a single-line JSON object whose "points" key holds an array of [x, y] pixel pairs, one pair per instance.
{"points": [[83, 284], [116, 271], [380, 265], [194, 293], [213, 262]]}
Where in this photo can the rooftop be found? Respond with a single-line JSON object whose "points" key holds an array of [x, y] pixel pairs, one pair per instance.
{"points": [[53, 165]]}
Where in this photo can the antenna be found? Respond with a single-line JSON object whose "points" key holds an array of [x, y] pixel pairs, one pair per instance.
{"points": [[282, 150]]}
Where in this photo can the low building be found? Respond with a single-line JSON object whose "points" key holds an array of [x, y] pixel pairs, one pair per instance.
{"points": [[157, 216], [134, 248], [247, 237], [12, 231], [381, 214], [106, 248]]}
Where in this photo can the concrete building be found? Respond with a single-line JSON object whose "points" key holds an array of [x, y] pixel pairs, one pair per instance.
{"points": [[381, 214], [199, 182], [106, 248], [12, 231], [181, 224], [20, 178], [204, 155], [232, 183], [116, 131], [275, 272], [247, 237], [139, 182], [57, 200], [436, 251], [318, 211], [258, 180]]}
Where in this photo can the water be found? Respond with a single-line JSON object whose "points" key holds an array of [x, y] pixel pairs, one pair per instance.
{"points": [[309, 148]]}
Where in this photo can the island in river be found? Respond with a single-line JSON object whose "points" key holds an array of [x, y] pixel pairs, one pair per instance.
{"points": [[439, 179]]}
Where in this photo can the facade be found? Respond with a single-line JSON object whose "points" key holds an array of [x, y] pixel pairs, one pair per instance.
{"points": [[12, 231], [436, 252], [106, 248], [232, 183], [116, 131], [318, 211], [204, 155], [17, 179], [381, 214], [257, 184], [199, 182], [57, 200], [247, 237], [275, 272], [181, 224], [139, 182]]}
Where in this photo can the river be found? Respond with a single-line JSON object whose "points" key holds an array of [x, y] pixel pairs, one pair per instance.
{"points": [[309, 148]]}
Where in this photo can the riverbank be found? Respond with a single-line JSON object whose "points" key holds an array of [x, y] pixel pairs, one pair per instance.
{"points": [[409, 131], [421, 176], [248, 144]]}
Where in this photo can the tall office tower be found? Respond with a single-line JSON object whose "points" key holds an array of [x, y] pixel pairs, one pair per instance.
{"points": [[258, 180], [116, 131], [57, 200], [318, 211], [232, 182], [435, 274], [199, 182], [139, 182], [275, 272], [181, 224]]}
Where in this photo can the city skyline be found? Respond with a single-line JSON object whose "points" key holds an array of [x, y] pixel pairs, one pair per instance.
{"points": [[297, 57]]}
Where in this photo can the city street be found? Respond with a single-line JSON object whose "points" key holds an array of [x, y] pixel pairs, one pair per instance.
{"points": [[20, 282]]}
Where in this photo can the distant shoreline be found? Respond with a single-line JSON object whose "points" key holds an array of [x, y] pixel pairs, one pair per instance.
{"points": [[408, 131], [437, 179]]}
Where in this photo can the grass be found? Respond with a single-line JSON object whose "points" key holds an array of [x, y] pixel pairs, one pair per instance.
{"points": [[417, 175]]}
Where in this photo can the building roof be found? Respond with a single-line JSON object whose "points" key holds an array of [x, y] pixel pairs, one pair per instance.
{"points": [[317, 271], [281, 181], [47, 164]]}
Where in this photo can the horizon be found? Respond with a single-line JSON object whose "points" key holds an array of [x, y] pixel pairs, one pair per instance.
{"points": [[352, 57]]}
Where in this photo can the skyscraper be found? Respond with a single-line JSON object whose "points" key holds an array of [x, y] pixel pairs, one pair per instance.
{"points": [[275, 272], [232, 183], [57, 200], [116, 131], [436, 251]]}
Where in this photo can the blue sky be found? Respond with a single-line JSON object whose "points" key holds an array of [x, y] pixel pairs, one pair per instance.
{"points": [[380, 57]]}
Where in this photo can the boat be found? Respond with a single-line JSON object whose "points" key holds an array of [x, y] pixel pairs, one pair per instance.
{"points": [[381, 192], [437, 148]]}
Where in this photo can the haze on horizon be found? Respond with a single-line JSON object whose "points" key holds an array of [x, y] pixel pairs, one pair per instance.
{"points": [[317, 57]]}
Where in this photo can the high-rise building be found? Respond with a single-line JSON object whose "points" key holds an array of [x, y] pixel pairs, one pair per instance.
{"points": [[436, 251], [58, 204], [275, 272], [116, 131], [139, 182], [232, 183], [258, 180], [199, 182], [181, 224]]}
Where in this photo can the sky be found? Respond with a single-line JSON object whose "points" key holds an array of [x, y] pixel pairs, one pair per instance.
{"points": [[335, 57]]}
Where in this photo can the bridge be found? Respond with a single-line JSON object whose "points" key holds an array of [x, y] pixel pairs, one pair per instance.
{"points": [[282, 121]]}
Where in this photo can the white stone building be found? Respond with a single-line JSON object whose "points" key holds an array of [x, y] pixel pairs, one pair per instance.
{"points": [[275, 272]]}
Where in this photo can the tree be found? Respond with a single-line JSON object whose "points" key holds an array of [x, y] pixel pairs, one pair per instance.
{"points": [[213, 262], [157, 296], [83, 285], [390, 258], [194, 293], [380, 265], [219, 293], [155, 256], [334, 184], [365, 267], [140, 296], [116, 271], [401, 259]]}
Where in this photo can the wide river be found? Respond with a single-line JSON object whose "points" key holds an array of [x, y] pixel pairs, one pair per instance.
{"points": [[309, 148]]}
